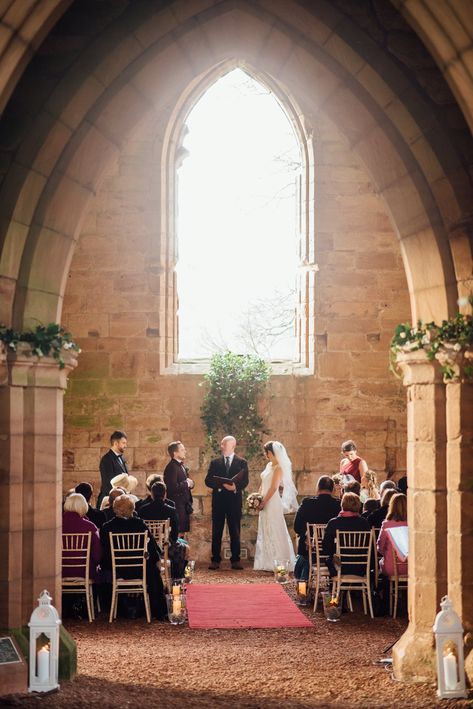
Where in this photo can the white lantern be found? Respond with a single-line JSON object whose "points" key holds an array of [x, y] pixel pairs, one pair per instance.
{"points": [[44, 646], [449, 644]]}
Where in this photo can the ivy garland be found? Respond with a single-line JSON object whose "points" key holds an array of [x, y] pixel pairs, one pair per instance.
{"points": [[230, 407], [44, 340], [441, 342]]}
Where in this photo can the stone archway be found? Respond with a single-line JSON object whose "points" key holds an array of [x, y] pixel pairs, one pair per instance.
{"points": [[144, 67]]}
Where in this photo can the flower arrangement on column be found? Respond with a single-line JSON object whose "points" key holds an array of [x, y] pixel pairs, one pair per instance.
{"points": [[450, 343], [235, 384], [45, 340]]}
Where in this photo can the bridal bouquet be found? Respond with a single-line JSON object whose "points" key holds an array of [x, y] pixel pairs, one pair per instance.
{"points": [[253, 502]]}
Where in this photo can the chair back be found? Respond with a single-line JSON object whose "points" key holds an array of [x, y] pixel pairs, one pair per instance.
{"points": [[128, 554], [159, 528], [396, 564], [354, 549], [76, 554], [315, 535]]}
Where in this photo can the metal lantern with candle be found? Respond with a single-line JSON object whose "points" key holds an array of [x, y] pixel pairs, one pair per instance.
{"points": [[44, 646], [449, 645]]}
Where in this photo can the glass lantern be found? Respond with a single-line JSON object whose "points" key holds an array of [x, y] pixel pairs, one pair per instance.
{"points": [[176, 608], [281, 571], [302, 592], [449, 649], [44, 646], [189, 571]]}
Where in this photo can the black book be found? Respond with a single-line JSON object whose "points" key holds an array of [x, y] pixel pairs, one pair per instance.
{"points": [[228, 481]]}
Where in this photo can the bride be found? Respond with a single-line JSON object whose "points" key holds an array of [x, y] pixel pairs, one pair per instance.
{"points": [[273, 541]]}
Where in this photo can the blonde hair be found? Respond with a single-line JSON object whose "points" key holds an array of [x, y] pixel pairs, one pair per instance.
{"points": [[386, 496], [75, 502], [105, 503], [124, 506], [373, 491], [351, 502], [397, 510]]}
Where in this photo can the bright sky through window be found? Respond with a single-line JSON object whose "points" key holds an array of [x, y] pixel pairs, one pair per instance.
{"points": [[236, 225]]}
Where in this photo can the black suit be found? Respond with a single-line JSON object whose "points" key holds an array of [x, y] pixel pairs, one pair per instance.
{"points": [[111, 464], [314, 510], [156, 510], [95, 516], [226, 505], [175, 477]]}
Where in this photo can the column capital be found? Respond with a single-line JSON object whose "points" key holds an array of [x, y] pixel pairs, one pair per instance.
{"points": [[417, 368], [25, 369]]}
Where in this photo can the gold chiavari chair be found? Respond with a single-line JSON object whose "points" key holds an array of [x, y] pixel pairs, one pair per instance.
{"points": [[128, 552], [318, 570], [355, 548], [76, 555], [160, 530]]}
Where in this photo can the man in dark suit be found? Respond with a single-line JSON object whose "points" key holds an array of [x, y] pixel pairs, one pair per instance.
{"points": [[95, 516], [315, 510], [226, 500], [112, 463], [179, 484], [158, 509]]}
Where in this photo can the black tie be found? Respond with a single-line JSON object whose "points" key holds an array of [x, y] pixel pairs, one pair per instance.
{"points": [[227, 464]]}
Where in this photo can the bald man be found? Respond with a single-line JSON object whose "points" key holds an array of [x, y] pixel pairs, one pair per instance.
{"points": [[226, 500]]}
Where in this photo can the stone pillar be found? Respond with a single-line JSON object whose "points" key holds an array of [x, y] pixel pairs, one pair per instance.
{"points": [[31, 426], [460, 506], [413, 654]]}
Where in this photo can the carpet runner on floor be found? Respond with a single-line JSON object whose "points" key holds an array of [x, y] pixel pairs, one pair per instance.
{"points": [[255, 605]]}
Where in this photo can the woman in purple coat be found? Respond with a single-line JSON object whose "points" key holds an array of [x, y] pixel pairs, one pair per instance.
{"points": [[74, 521]]}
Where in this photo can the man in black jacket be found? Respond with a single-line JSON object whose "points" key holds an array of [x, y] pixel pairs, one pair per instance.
{"points": [[349, 520], [95, 516], [112, 463], [315, 510], [158, 509], [226, 500]]}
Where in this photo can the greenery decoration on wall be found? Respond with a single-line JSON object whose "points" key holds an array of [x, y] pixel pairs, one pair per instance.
{"points": [[45, 340], [230, 407], [449, 343]]}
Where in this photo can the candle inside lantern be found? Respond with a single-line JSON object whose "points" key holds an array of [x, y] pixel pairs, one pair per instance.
{"points": [[43, 664], [176, 590], [450, 670], [176, 606], [302, 588]]}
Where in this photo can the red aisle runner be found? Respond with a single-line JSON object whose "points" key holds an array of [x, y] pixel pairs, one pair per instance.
{"points": [[228, 605]]}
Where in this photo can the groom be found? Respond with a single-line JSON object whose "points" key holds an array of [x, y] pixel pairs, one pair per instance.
{"points": [[226, 500]]}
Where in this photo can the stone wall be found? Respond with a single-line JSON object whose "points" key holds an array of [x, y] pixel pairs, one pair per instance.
{"points": [[112, 306]]}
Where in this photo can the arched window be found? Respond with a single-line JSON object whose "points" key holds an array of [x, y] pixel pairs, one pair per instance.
{"points": [[237, 226]]}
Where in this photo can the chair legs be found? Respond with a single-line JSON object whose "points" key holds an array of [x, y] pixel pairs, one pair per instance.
{"points": [[114, 604]]}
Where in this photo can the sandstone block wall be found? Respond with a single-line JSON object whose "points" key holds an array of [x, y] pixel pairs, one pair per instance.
{"points": [[114, 306]]}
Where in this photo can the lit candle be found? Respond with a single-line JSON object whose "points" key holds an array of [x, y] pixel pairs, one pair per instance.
{"points": [[302, 588], [176, 606], [176, 590], [450, 670], [43, 664]]}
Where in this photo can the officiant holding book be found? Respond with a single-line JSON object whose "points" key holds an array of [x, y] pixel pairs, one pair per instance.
{"points": [[227, 477]]}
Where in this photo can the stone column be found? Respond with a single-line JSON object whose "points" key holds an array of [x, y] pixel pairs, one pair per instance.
{"points": [[413, 654], [31, 427], [460, 506]]}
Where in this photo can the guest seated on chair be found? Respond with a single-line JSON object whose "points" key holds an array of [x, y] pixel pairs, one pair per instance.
{"points": [[349, 520], [376, 518], [353, 486], [108, 511], [125, 521], [396, 517], [128, 483], [178, 550], [150, 480], [95, 516], [313, 510], [369, 487], [369, 506], [74, 521]]}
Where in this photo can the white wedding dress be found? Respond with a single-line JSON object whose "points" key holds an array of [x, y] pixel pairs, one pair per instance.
{"points": [[273, 541]]}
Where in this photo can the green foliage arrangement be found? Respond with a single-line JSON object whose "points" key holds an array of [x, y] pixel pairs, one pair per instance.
{"points": [[45, 340], [230, 407], [441, 342]]}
